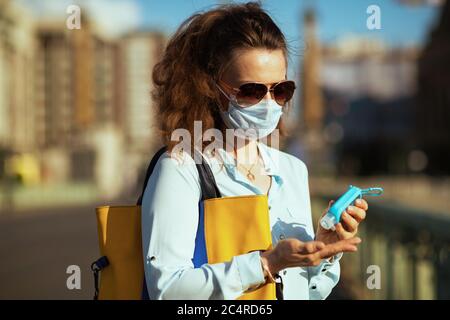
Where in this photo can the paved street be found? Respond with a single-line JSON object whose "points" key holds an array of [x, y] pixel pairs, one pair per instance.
{"points": [[36, 248]]}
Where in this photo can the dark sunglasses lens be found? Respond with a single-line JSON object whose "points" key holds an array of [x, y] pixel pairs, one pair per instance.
{"points": [[250, 94], [283, 92]]}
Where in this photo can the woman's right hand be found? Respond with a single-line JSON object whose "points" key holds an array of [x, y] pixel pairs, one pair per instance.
{"points": [[295, 253]]}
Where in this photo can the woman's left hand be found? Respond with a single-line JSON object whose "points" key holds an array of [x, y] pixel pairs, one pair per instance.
{"points": [[348, 226]]}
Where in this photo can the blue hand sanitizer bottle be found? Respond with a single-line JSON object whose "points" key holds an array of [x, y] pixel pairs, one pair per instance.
{"points": [[333, 215]]}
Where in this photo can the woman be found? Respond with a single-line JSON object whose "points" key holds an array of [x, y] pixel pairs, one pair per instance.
{"points": [[227, 69]]}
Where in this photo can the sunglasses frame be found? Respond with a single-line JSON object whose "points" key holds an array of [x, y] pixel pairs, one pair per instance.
{"points": [[270, 88]]}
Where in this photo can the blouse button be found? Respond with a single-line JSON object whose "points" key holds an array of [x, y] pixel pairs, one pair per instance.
{"points": [[282, 237]]}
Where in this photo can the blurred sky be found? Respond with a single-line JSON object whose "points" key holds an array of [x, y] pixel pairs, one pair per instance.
{"points": [[402, 25]]}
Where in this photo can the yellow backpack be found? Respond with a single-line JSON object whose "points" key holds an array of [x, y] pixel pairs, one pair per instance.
{"points": [[228, 226]]}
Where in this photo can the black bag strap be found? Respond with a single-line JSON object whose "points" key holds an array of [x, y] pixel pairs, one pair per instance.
{"points": [[150, 168], [208, 184], [96, 267]]}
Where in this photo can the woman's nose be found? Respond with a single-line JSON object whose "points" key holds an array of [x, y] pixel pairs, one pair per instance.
{"points": [[268, 95]]}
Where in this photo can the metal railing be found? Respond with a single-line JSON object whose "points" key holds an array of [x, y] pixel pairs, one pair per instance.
{"points": [[409, 247]]}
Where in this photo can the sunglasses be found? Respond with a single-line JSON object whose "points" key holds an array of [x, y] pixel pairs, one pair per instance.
{"points": [[251, 93]]}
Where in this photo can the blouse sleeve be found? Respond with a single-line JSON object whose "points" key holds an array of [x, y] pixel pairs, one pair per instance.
{"points": [[169, 227]]}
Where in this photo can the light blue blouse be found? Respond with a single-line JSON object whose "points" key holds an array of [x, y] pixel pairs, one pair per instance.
{"points": [[170, 219]]}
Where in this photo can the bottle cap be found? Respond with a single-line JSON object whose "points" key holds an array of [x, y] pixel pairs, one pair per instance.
{"points": [[328, 221]]}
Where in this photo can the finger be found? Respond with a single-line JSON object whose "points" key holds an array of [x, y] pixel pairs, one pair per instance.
{"points": [[299, 260], [341, 232], [312, 259], [312, 246], [357, 213], [361, 203], [348, 245], [331, 252], [294, 244], [354, 240], [349, 223]]}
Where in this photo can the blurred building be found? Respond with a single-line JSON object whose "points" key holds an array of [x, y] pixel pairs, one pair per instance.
{"points": [[81, 110], [378, 109], [75, 81], [17, 91], [66, 101], [309, 143], [432, 116], [357, 106], [369, 92], [108, 83], [311, 95], [140, 51], [359, 67], [77, 101], [54, 84]]}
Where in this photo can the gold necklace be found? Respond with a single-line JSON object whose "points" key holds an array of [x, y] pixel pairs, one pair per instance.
{"points": [[249, 174]]}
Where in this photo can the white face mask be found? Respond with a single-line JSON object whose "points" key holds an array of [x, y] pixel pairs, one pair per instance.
{"points": [[254, 122]]}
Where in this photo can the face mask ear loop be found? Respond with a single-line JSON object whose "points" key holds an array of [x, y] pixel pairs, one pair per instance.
{"points": [[230, 98], [372, 192]]}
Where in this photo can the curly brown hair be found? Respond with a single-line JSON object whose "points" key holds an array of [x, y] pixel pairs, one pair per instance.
{"points": [[196, 56]]}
